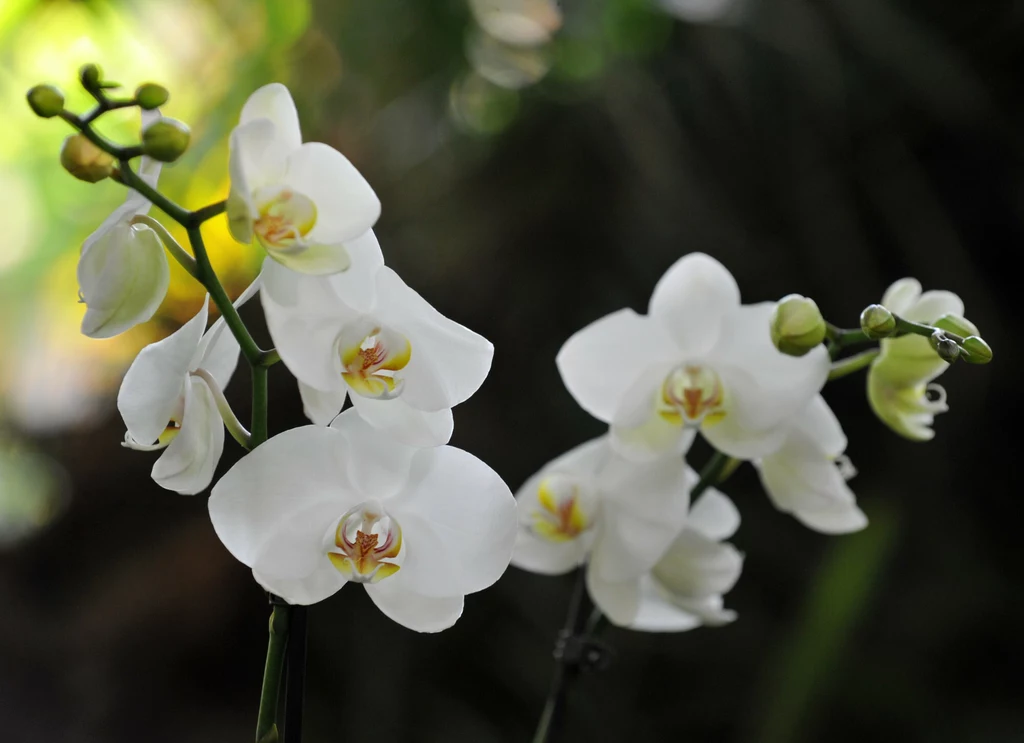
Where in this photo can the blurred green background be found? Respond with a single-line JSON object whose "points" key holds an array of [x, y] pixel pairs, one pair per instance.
{"points": [[539, 167]]}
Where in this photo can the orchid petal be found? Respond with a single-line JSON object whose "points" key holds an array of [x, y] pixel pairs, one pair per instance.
{"points": [[414, 610], [691, 301], [154, 384], [274, 102], [714, 515], [188, 463], [322, 583], [322, 407], [403, 422]]}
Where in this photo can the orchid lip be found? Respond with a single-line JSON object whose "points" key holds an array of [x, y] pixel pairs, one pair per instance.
{"points": [[285, 217], [692, 394], [367, 543], [373, 358], [560, 514]]}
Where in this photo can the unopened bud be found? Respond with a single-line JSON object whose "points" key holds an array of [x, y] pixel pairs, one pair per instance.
{"points": [[974, 350], [956, 324], [877, 322], [945, 347], [797, 325], [165, 140], [151, 95], [89, 75], [46, 100], [84, 160]]}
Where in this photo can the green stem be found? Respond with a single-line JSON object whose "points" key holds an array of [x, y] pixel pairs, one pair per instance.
{"points": [[841, 338], [266, 723], [207, 212], [853, 364], [909, 327], [259, 405], [718, 468], [179, 214], [208, 278]]}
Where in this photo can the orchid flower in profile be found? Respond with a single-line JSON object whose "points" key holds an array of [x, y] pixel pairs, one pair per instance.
{"points": [[303, 202], [172, 396], [123, 273], [592, 505], [404, 364], [901, 386], [684, 588], [317, 507], [807, 475], [698, 360]]}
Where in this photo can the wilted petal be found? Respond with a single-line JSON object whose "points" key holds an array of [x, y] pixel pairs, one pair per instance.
{"points": [[691, 300], [154, 384], [400, 602], [188, 463], [123, 277], [602, 361]]}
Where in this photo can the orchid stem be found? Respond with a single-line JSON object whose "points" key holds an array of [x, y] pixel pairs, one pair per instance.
{"points": [[852, 364], [266, 725], [553, 716], [259, 405]]}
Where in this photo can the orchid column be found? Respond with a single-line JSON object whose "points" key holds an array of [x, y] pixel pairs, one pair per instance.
{"points": [[373, 495]]}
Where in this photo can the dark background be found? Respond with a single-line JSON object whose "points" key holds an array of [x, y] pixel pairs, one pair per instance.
{"points": [[826, 148]]}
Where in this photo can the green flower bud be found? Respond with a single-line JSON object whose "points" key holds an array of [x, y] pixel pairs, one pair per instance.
{"points": [[46, 100], [945, 347], [89, 75], [84, 160], [956, 324], [165, 139], [797, 325], [151, 95], [974, 350], [877, 322]]}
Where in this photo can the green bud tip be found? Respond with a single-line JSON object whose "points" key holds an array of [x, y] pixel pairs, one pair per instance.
{"points": [[797, 325], [877, 322], [89, 75], [151, 95], [945, 347], [46, 100], [165, 139], [956, 324], [974, 350], [84, 160]]}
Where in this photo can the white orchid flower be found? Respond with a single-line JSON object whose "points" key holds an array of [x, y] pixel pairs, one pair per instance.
{"points": [[684, 589], [807, 475], [901, 386], [122, 272], [303, 202], [698, 359], [317, 507], [591, 504], [171, 398], [404, 363]]}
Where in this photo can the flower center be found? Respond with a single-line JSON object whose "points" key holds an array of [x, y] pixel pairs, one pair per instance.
{"points": [[285, 216], [366, 540], [692, 395], [560, 514], [371, 357]]}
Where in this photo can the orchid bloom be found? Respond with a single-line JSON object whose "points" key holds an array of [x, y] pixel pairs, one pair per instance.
{"points": [[122, 272], [404, 364], [698, 359], [317, 507], [171, 398], [900, 382], [592, 504], [684, 588], [807, 475], [303, 202]]}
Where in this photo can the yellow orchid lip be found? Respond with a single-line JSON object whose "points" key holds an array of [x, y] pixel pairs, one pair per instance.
{"points": [[560, 516], [285, 217], [692, 394], [362, 556], [371, 365]]}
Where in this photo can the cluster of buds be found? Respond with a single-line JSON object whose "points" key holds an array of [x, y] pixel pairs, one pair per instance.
{"points": [[87, 155]]}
